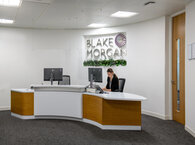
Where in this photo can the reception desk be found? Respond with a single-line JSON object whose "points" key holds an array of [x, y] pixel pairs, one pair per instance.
{"points": [[115, 110]]}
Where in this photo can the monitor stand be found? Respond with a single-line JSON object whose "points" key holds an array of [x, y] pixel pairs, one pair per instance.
{"points": [[91, 81], [51, 81], [51, 78]]}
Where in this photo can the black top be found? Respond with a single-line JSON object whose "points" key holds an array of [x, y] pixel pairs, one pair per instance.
{"points": [[114, 84]]}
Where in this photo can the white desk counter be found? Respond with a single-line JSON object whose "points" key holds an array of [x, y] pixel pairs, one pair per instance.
{"points": [[23, 90], [119, 96], [58, 100], [114, 110], [64, 88]]}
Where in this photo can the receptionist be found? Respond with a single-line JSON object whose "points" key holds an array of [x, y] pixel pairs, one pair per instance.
{"points": [[112, 81]]}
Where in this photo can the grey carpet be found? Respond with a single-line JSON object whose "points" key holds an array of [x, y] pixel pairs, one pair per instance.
{"points": [[14, 131]]}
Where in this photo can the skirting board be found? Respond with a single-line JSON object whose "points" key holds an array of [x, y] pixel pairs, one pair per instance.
{"points": [[157, 115], [113, 127], [188, 129], [4, 108], [57, 117], [22, 117]]}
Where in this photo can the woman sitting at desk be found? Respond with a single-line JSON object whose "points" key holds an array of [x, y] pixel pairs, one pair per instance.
{"points": [[112, 81]]}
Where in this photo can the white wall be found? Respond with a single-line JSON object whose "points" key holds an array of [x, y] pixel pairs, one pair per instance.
{"points": [[190, 69], [25, 52]]}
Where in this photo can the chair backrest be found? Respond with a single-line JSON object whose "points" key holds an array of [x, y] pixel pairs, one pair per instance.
{"points": [[65, 80], [121, 84]]}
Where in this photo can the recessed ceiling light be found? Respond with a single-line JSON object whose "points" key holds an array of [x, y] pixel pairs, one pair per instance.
{"points": [[6, 21], [97, 25], [123, 14], [40, 1], [10, 3]]}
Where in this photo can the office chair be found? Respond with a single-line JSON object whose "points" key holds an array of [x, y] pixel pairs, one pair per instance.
{"points": [[121, 84], [65, 80]]}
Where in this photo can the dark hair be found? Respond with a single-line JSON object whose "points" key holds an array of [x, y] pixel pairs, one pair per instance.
{"points": [[110, 70]]}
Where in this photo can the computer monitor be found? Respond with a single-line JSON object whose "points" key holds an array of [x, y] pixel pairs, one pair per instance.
{"points": [[95, 74], [53, 74]]}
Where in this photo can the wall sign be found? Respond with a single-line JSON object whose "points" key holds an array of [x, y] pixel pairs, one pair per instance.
{"points": [[105, 47], [191, 51]]}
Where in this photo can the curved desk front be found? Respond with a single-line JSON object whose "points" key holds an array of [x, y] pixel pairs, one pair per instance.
{"points": [[119, 111]]}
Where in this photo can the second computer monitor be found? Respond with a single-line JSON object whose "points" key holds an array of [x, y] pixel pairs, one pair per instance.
{"points": [[96, 74], [54, 74]]}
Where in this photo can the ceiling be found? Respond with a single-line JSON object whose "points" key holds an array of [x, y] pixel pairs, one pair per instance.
{"points": [[78, 14]]}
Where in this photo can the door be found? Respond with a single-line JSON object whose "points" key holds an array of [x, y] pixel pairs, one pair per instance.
{"points": [[178, 68]]}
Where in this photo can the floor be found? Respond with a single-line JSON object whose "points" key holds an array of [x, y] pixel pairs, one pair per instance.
{"points": [[14, 131]]}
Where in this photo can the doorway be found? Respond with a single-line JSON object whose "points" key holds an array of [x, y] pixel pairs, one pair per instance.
{"points": [[178, 68]]}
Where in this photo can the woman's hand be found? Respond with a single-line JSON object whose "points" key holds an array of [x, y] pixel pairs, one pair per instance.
{"points": [[104, 89], [108, 90]]}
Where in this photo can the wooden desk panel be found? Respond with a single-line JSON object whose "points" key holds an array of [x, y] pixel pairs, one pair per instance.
{"points": [[111, 112], [121, 112], [22, 103], [92, 108]]}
